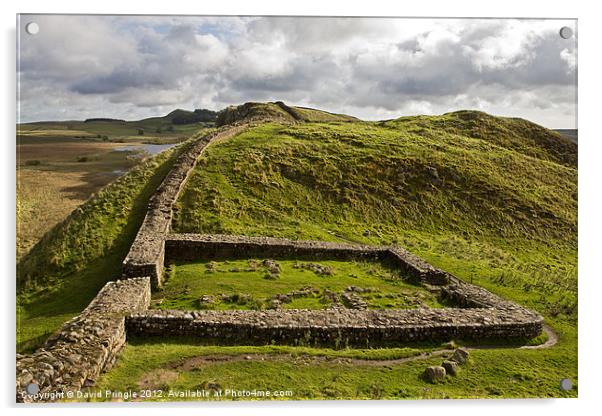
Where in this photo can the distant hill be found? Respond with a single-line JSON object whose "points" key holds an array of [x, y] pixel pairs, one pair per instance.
{"points": [[572, 134], [191, 117], [174, 126], [107, 120]]}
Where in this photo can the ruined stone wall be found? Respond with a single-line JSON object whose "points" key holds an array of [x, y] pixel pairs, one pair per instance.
{"points": [[146, 255], [476, 312], [215, 246], [414, 266], [189, 247], [86, 345], [337, 327]]}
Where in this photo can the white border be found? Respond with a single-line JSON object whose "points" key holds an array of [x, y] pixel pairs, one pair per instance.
{"points": [[590, 181]]}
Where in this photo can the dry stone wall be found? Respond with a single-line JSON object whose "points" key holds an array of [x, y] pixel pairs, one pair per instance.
{"points": [[146, 255], [478, 313], [188, 247], [215, 246], [85, 346], [337, 327]]}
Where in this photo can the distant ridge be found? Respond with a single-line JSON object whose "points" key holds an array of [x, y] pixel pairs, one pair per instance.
{"points": [[107, 120], [572, 134]]}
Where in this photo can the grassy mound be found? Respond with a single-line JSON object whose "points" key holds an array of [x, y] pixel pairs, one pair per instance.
{"points": [[515, 134], [277, 111]]}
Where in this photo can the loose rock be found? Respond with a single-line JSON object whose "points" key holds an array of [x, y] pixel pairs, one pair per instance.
{"points": [[434, 374]]}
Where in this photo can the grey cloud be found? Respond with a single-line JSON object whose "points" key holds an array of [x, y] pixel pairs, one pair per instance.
{"points": [[370, 67]]}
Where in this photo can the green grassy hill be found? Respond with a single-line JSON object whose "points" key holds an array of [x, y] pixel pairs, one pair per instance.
{"points": [[506, 216], [511, 133], [491, 200]]}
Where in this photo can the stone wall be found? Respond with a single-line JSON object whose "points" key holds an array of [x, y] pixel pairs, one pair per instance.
{"points": [[85, 346], [337, 327], [215, 246], [189, 247], [146, 255], [476, 312]]}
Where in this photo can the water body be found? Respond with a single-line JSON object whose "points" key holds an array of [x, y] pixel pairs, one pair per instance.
{"points": [[140, 151], [148, 149]]}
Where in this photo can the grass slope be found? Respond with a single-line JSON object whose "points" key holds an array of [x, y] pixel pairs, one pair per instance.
{"points": [[67, 267], [511, 133]]}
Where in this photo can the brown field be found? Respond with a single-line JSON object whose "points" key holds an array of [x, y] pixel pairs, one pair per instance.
{"points": [[55, 178]]}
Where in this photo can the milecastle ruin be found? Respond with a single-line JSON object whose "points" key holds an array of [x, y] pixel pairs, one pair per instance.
{"points": [[89, 344]]}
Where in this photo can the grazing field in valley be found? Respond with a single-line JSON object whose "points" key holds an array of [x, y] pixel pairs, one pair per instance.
{"points": [[61, 164]]}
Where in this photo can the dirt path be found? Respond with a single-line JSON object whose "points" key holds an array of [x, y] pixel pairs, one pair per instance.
{"points": [[203, 360]]}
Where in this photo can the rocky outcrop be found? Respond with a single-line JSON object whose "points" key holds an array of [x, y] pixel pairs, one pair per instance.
{"points": [[84, 347], [256, 112]]}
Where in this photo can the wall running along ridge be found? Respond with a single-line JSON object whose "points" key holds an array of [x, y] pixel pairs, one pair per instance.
{"points": [[85, 346], [146, 255]]}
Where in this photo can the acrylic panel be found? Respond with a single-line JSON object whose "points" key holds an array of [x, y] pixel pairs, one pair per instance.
{"points": [[295, 208]]}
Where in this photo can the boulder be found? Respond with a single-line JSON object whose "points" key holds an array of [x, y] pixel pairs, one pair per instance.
{"points": [[451, 367], [460, 356], [434, 374]]}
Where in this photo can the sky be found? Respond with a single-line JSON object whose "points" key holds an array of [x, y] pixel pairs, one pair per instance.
{"points": [[132, 67]]}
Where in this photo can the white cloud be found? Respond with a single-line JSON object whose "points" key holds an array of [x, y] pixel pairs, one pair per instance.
{"points": [[136, 66]]}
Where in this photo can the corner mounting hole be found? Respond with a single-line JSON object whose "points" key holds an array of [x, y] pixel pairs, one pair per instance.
{"points": [[566, 32], [32, 28]]}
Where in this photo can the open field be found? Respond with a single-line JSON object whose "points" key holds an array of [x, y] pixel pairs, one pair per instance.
{"points": [[61, 164], [290, 284], [150, 130], [55, 178]]}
